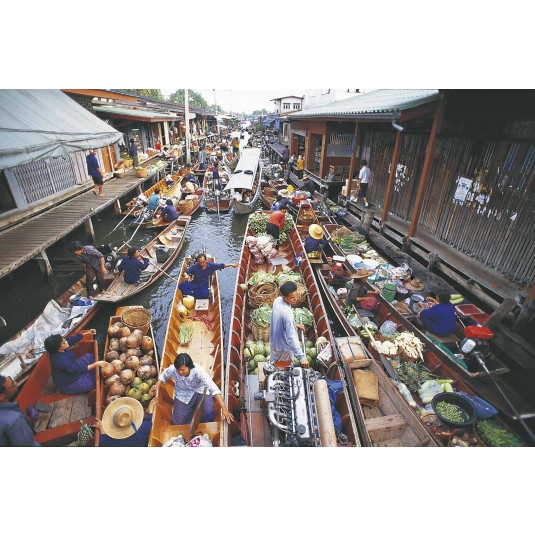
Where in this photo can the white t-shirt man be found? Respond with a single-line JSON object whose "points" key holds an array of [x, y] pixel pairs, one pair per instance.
{"points": [[365, 175]]}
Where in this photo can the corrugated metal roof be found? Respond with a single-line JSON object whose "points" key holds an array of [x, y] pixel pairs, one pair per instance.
{"points": [[375, 102], [244, 174], [46, 123], [146, 114]]}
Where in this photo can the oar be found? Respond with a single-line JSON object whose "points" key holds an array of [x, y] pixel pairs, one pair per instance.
{"points": [[119, 224], [138, 227]]}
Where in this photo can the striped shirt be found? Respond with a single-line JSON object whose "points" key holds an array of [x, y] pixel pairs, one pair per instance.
{"points": [[185, 387]]}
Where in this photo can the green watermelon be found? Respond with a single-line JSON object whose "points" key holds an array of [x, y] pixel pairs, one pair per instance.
{"points": [[247, 353], [309, 344]]}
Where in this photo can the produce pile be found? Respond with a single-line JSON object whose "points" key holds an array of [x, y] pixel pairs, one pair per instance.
{"points": [[262, 248], [130, 368], [185, 333], [493, 434], [257, 225]]}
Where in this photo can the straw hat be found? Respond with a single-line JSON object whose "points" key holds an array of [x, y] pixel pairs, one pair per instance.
{"points": [[166, 239], [119, 415], [415, 285], [361, 273], [315, 231]]}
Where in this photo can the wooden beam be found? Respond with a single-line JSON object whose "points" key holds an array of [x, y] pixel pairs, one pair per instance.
{"points": [[428, 165], [117, 206], [44, 264], [322, 158], [352, 164], [420, 111], [391, 179], [88, 224], [500, 313]]}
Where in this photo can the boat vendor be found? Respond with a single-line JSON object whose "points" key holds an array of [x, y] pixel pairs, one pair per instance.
{"points": [[198, 277], [216, 177], [169, 213], [439, 317], [359, 295], [69, 374], [314, 241], [276, 222], [123, 424], [281, 201], [283, 339], [190, 177], [154, 200], [93, 262], [15, 429], [132, 265], [190, 381], [309, 186]]}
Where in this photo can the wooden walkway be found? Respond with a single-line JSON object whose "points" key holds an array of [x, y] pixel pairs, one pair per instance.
{"points": [[28, 239]]}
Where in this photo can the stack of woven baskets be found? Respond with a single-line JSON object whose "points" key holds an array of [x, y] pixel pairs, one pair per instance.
{"points": [[264, 293], [185, 205], [142, 172]]}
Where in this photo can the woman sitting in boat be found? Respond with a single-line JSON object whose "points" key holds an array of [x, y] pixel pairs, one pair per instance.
{"points": [[169, 213], [192, 178], [69, 374], [216, 177], [190, 381], [281, 201], [314, 241], [132, 265], [439, 318], [359, 295], [154, 200], [198, 275]]}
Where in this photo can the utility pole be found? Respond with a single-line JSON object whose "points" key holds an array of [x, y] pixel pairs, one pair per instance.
{"points": [[216, 119], [186, 102]]}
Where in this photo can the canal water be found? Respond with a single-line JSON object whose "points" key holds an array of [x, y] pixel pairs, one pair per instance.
{"points": [[26, 292]]}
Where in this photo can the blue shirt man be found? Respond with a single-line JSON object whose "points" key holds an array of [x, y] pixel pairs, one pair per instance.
{"points": [[169, 213], [93, 167], [440, 318], [133, 265], [313, 244], [154, 200]]}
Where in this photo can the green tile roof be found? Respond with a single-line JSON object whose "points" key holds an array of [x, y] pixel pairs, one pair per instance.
{"points": [[375, 102]]}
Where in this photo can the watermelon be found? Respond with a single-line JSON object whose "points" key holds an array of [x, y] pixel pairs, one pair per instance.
{"points": [[247, 353], [309, 344], [250, 344], [254, 372], [312, 352], [259, 348], [259, 358]]}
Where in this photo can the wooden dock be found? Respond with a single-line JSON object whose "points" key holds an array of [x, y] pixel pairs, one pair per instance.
{"points": [[30, 239]]}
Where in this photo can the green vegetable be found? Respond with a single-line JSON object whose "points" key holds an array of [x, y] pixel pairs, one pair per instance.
{"points": [[309, 344], [495, 435], [451, 412], [288, 275], [262, 316], [260, 277], [304, 316], [184, 334]]}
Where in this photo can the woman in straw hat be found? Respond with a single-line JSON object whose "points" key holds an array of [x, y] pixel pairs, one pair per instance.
{"points": [[314, 240], [123, 424], [359, 295]]}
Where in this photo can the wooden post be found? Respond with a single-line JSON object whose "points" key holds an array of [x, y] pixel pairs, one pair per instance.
{"points": [[44, 265], [308, 143], [527, 312], [117, 206], [367, 220], [391, 179], [88, 223], [322, 158], [352, 163], [428, 164]]}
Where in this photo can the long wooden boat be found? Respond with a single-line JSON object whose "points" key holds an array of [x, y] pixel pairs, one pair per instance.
{"points": [[206, 350], [268, 195], [389, 420], [252, 426], [306, 216], [183, 209], [164, 190], [495, 366], [215, 201], [431, 357], [60, 425], [18, 364], [246, 177], [152, 354], [173, 238], [232, 163]]}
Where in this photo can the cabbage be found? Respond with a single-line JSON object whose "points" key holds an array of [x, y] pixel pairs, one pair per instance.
{"points": [[304, 316]]}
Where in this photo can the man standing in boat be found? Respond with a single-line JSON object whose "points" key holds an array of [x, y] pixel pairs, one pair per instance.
{"points": [[93, 262]]}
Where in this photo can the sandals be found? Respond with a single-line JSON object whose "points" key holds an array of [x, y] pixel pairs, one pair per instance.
{"points": [[94, 192]]}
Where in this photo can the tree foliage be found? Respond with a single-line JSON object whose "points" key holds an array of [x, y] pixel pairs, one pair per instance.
{"points": [[196, 100], [151, 93]]}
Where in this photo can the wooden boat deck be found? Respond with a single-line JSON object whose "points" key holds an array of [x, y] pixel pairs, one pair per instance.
{"points": [[25, 240]]}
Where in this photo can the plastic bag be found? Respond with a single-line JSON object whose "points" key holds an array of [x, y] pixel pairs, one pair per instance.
{"points": [[388, 328], [200, 442], [429, 390]]}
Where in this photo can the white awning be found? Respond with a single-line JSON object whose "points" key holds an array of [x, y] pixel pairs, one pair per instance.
{"points": [[245, 172], [46, 123]]}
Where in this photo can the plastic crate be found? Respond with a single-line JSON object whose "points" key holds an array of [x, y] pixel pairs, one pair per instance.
{"points": [[467, 310]]}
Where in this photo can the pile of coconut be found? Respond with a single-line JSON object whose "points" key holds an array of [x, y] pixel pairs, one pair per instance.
{"points": [[130, 366]]}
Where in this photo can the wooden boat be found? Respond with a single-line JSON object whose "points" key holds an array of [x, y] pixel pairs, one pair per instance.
{"points": [[173, 238], [19, 364], [215, 201], [232, 163], [496, 367], [246, 177], [148, 331], [268, 195], [432, 360], [164, 190], [60, 425], [252, 426], [388, 419], [305, 218], [183, 208], [206, 350]]}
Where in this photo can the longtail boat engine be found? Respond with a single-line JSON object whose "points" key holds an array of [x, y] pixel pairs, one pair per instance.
{"points": [[297, 407]]}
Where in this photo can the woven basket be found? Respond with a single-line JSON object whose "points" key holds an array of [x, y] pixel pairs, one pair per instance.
{"points": [[306, 218], [185, 206], [301, 294], [260, 333], [142, 172], [264, 293]]}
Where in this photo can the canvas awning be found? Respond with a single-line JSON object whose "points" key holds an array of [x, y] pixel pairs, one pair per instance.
{"points": [[46, 123], [245, 172], [139, 115]]}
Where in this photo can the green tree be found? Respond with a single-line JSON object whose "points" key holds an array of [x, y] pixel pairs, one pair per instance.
{"points": [[152, 93], [263, 111], [196, 100]]}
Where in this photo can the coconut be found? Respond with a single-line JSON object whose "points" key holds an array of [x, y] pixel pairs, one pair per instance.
{"points": [[126, 377], [146, 343], [123, 357], [111, 399], [132, 363], [125, 331], [123, 346], [113, 330], [134, 352], [153, 372], [111, 356], [133, 341], [107, 370], [119, 366], [117, 389], [110, 380], [145, 361], [138, 332], [150, 353], [118, 324], [114, 344], [144, 372]]}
